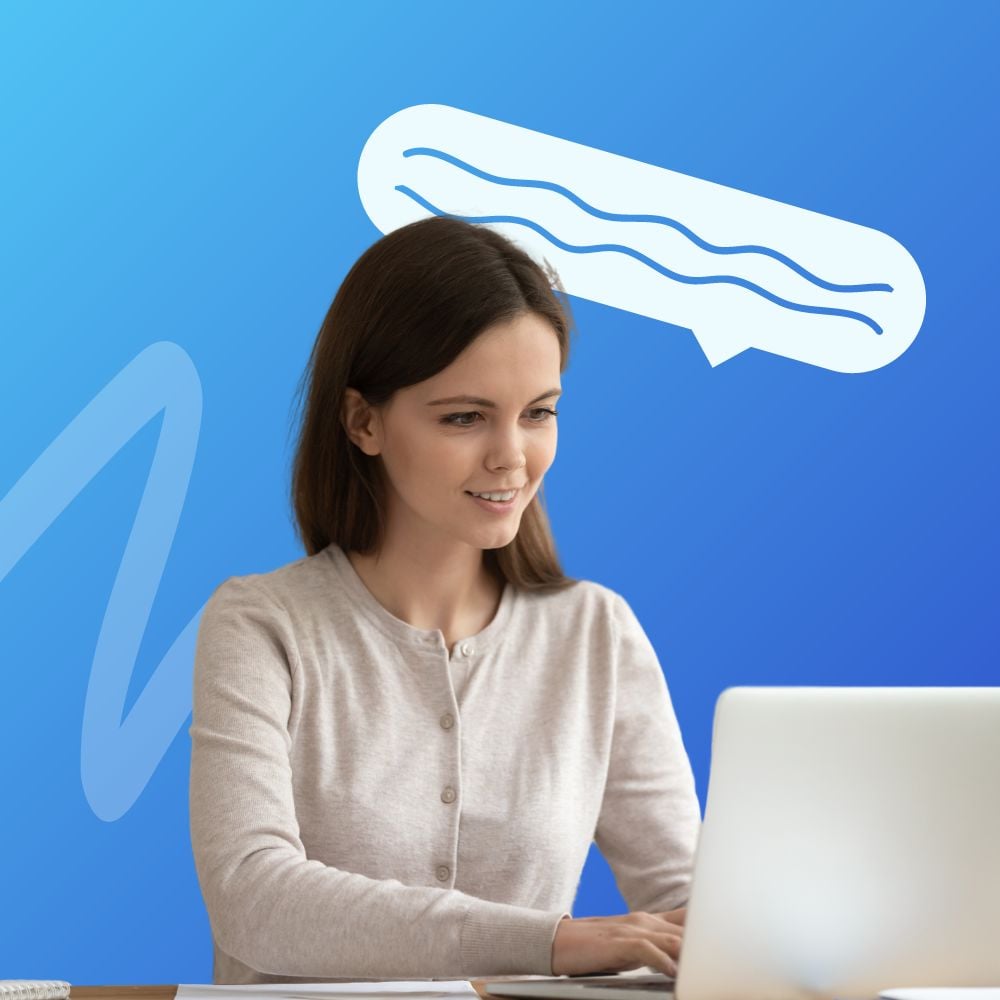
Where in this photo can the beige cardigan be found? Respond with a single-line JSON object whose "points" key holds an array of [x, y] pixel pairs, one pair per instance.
{"points": [[368, 804]]}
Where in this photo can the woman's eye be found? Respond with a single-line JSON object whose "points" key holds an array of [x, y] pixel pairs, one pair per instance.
{"points": [[545, 410], [457, 419]]}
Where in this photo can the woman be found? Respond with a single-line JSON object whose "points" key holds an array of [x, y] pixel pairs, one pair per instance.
{"points": [[404, 743]]}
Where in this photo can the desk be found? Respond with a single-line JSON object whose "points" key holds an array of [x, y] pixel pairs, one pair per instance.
{"points": [[167, 992]]}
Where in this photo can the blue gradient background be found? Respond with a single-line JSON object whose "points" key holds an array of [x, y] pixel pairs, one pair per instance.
{"points": [[187, 173]]}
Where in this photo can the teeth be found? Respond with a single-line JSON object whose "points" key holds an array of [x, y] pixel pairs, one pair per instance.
{"points": [[495, 496]]}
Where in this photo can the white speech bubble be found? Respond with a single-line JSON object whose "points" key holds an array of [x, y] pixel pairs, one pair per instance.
{"points": [[736, 269]]}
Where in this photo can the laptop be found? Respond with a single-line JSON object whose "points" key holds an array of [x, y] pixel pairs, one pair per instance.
{"points": [[850, 845]]}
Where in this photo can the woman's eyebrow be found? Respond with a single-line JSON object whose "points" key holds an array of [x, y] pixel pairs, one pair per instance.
{"points": [[476, 401]]}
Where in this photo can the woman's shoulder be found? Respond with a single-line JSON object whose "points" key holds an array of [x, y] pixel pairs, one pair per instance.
{"points": [[582, 600], [579, 590], [286, 585]]}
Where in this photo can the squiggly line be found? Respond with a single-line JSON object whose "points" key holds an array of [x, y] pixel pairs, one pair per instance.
{"points": [[658, 219], [119, 756], [710, 279]]}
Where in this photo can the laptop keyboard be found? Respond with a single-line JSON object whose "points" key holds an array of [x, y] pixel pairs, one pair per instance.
{"points": [[625, 982]]}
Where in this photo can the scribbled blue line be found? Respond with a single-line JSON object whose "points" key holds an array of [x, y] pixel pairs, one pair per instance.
{"points": [[659, 219], [711, 279], [119, 755]]}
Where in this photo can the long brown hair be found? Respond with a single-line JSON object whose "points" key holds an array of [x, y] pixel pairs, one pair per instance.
{"points": [[410, 304]]}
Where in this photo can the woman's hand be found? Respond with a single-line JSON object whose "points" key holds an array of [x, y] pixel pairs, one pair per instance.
{"points": [[589, 945]]}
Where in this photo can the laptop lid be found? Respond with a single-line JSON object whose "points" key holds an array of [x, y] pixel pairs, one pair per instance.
{"points": [[851, 844]]}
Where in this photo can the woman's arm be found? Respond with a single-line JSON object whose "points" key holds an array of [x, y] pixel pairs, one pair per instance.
{"points": [[650, 816], [269, 905]]}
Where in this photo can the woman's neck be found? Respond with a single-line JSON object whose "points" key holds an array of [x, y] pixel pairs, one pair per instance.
{"points": [[459, 600]]}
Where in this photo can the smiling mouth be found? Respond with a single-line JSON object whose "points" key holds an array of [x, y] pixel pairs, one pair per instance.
{"points": [[495, 504]]}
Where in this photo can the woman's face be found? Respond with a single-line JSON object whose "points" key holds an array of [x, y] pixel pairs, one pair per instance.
{"points": [[502, 436]]}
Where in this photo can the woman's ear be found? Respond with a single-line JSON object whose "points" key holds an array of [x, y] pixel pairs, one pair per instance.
{"points": [[361, 422]]}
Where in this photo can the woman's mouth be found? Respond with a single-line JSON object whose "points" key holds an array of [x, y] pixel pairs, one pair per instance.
{"points": [[497, 506]]}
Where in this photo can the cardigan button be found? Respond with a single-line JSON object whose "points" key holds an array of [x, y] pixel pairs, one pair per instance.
{"points": [[447, 720], [443, 873], [448, 795], [466, 649]]}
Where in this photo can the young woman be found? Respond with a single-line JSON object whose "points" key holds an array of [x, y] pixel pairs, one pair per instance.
{"points": [[404, 743]]}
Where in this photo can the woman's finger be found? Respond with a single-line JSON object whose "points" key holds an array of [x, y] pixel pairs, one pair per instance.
{"points": [[649, 954], [670, 943]]}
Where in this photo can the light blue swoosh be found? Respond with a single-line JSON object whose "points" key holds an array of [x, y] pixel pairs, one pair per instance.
{"points": [[658, 219], [118, 757], [710, 279]]}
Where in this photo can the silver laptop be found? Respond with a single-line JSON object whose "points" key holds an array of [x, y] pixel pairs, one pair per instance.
{"points": [[851, 845]]}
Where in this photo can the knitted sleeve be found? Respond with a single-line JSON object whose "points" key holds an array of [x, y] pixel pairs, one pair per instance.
{"points": [[650, 816]]}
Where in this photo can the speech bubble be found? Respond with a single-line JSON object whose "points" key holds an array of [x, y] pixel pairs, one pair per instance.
{"points": [[737, 269]]}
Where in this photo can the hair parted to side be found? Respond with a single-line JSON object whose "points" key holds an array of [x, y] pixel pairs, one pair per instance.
{"points": [[410, 304]]}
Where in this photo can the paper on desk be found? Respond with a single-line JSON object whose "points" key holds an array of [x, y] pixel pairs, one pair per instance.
{"points": [[418, 989]]}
